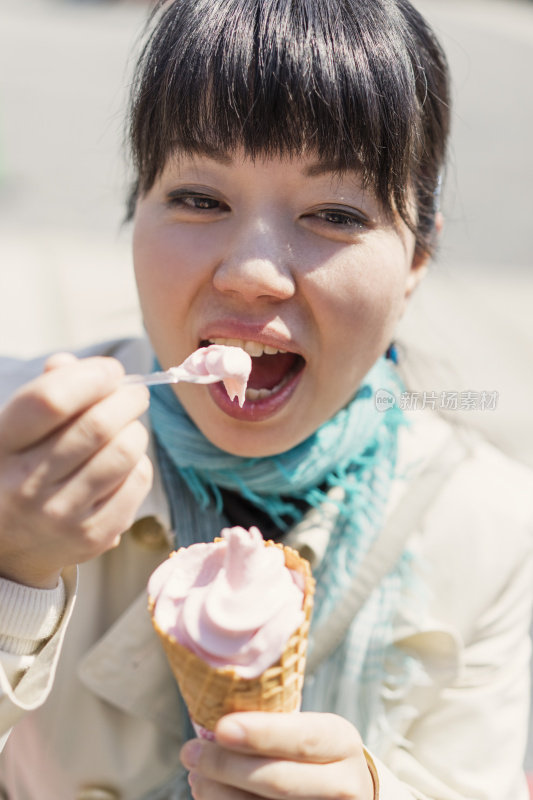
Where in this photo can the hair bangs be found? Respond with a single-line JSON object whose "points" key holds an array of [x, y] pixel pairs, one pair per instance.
{"points": [[339, 79]]}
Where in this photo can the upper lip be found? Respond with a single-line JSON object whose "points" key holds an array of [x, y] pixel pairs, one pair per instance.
{"points": [[250, 333]]}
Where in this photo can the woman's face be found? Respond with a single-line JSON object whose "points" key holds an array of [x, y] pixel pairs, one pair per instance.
{"points": [[300, 266]]}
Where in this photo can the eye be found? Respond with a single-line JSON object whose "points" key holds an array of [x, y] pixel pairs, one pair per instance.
{"points": [[194, 202], [340, 223], [348, 220], [199, 202]]}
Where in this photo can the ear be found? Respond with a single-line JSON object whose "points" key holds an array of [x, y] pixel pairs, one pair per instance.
{"points": [[419, 268], [420, 262]]}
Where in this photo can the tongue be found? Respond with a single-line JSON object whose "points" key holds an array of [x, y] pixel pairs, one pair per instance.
{"points": [[269, 370]]}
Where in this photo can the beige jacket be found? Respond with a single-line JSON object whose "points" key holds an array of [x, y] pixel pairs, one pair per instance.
{"points": [[96, 715]]}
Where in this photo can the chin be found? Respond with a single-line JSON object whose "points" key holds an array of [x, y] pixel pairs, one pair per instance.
{"points": [[243, 437], [251, 444]]}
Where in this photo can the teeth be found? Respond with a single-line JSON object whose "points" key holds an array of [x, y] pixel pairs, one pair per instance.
{"points": [[258, 394], [254, 349]]}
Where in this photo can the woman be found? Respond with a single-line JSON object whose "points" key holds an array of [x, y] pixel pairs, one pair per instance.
{"points": [[288, 160]]}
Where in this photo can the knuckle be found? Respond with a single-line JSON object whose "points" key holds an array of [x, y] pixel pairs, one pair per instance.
{"points": [[309, 745], [59, 359], [145, 471], [139, 396], [141, 434], [123, 521], [95, 537], [144, 474], [19, 478], [103, 371], [51, 401], [212, 760], [344, 783], [343, 787], [137, 435], [56, 510], [22, 480], [110, 365], [353, 739], [94, 426], [129, 445], [200, 786], [36, 400], [282, 786], [343, 730]]}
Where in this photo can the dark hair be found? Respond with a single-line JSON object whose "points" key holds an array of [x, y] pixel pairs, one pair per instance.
{"points": [[361, 83]]}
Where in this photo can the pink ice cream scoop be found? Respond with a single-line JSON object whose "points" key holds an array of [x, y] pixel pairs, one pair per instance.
{"points": [[217, 362], [232, 602]]}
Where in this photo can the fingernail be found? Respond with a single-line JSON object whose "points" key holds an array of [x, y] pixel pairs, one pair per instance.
{"points": [[190, 754], [231, 731]]}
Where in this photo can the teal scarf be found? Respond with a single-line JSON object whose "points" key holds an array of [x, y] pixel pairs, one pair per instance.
{"points": [[356, 450]]}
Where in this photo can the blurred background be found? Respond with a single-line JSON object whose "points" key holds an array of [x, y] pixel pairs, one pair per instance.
{"points": [[65, 266]]}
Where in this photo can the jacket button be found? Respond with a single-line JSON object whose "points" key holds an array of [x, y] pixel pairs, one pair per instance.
{"points": [[97, 793], [150, 533]]}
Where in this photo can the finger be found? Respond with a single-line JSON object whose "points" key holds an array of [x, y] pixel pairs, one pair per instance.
{"points": [[74, 444], [49, 401], [205, 789], [99, 477], [300, 736], [115, 514], [273, 778], [58, 360]]}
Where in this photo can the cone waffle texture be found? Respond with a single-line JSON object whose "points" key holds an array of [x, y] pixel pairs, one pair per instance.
{"points": [[211, 692]]}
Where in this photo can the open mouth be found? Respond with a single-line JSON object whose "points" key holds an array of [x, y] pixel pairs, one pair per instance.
{"points": [[272, 369]]}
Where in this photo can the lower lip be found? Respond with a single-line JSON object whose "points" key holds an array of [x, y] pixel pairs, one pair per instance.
{"points": [[255, 410]]}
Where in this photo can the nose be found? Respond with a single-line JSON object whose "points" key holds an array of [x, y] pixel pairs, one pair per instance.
{"points": [[257, 264]]}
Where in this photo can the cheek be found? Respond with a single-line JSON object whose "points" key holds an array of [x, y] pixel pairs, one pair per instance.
{"points": [[159, 283], [169, 273], [159, 257], [363, 294]]}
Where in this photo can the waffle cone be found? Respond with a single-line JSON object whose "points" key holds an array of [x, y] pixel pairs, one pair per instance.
{"points": [[211, 692]]}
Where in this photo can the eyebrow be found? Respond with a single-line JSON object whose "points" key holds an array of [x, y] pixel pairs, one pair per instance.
{"points": [[320, 168], [313, 170], [218, 156]]}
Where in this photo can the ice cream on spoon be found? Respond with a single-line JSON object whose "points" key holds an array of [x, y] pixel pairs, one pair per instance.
{"points": [[217, 362]]}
